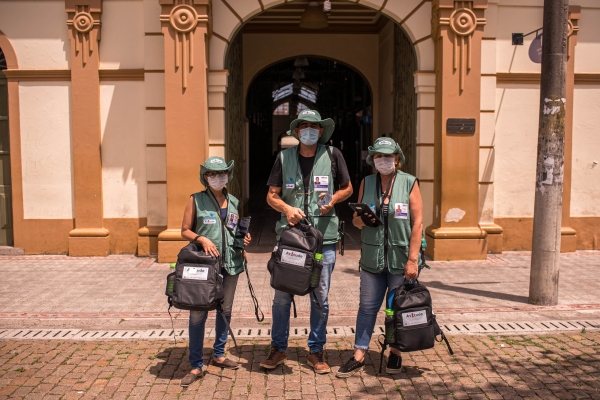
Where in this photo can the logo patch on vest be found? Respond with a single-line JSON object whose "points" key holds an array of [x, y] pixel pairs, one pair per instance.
{"points": [[195, 273], [290, 184], [293, 257], [414, 318], [209, 221]]}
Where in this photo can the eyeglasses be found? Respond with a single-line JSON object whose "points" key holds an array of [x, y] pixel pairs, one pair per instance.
{"points": [[212, 174]]}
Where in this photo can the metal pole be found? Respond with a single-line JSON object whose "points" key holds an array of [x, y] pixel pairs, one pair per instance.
{"points": [[545, 255]]}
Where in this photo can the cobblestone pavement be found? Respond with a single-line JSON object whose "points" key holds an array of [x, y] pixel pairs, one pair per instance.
{"points": [[123, 292], [565, 366]]}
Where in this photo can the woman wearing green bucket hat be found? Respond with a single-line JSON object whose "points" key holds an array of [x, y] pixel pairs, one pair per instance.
{"points": [[210, 216], [389, 251]]}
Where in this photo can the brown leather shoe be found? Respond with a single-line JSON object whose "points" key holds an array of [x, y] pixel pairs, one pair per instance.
{"points": [[227, 364], [317, 361], [274, 359], [191, 378]]}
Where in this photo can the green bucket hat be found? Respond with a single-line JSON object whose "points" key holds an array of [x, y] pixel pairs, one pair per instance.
{"points": [[384, 145], [215, 163], [313, 116]]}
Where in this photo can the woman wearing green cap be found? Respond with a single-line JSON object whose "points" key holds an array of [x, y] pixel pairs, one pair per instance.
{"points": [[389, 251], [209, 217]]}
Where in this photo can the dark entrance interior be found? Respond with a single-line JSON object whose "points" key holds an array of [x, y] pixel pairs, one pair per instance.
{"points": [[275, 98], [6, 229]]}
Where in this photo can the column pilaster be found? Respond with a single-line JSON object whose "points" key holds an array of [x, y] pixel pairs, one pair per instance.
{"points": [[185, 27], [217, 88], [568, 241], [89, 238], [457, 29]]}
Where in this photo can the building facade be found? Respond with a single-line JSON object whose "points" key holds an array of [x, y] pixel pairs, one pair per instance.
{"points": [[107, 108]]}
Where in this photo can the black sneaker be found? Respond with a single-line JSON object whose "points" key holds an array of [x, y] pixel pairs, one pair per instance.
{"points": [[350, 368], [394, 364]]}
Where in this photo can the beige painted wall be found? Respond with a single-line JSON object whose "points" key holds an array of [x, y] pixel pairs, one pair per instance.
{"points": [[46, 149], [516, 149], [123, 149], [38, 32], [587, 52], [385, 111], [586, 150], [122, 44], [512, 19]]}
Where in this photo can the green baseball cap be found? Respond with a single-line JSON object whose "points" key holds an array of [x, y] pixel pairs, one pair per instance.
{"points": [[313, 116], [384, 145], [215, 163]]}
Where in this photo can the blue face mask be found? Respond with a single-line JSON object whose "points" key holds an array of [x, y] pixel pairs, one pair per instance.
{"points": [[309, 136]]}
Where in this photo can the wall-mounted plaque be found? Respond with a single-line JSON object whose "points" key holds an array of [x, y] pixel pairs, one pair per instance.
{"points": [[460, 125]]}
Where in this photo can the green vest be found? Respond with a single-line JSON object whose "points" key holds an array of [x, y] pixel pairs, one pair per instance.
{"points": [[292, 192], [372, 257], [208, 224]]}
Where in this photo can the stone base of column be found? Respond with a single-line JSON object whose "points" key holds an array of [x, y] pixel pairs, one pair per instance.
{"points": [[568, 240], [446, 244], [88, 242], [148, 240], [169, 244], [495, 237]]}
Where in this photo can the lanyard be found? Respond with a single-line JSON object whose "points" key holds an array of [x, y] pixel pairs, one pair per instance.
{"points": [[216, 204], [385, 195], [385, 220]]}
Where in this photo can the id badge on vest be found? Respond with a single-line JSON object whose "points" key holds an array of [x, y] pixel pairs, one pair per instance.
{"points": [[321, 183], [401, 211], [232, 220]]}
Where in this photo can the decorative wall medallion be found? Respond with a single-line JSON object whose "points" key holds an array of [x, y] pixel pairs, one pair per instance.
{"points": [[463, 23], [183, 18], [83, 22]]}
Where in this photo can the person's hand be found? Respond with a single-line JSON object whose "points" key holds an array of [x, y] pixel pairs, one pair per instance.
{"points": [[411, 269], [209, 247], [327, 207], [294, 215], [247, 239], [357, 221]]}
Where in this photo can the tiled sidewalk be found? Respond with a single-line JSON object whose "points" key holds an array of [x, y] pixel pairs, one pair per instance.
{"points": [[119, 292], [483, 367]]}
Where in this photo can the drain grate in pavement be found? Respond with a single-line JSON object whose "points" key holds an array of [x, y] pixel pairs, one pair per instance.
{"points": [[488, 328]]}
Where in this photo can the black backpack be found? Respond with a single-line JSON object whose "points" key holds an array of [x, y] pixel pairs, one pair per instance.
{"points": [[414, 324], [198, 283], [292, 266]]}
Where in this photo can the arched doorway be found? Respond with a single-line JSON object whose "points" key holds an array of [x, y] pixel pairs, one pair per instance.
{"points": [[281, 91], [363, 75]]}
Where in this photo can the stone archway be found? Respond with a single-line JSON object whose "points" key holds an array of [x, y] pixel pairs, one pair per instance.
{"points": [[413, 22]]}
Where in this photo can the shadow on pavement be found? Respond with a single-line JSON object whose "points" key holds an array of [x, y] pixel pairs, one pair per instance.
{"points": [[477, 292]]}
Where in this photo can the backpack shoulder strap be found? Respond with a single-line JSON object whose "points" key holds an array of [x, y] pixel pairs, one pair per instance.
{"points": [[333, 164]]}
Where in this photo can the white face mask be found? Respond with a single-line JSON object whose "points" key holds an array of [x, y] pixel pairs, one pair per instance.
{"points": [[385, 165], [309, 136], [218, 182]]}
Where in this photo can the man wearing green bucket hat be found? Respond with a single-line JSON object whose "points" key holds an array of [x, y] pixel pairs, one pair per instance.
{"points": [[211, 216], [389, 251], [301, 185]]}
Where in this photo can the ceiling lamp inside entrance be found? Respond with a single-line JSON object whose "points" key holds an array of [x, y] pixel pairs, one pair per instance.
{"points": [[313, 17]]}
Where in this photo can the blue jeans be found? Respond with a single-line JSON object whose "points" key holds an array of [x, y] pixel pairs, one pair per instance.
{"points": [[281, 309], [198, 321], [373, 288]]}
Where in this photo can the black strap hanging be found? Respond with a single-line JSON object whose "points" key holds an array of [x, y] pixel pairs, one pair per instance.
{"points": [[384, 218]]}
